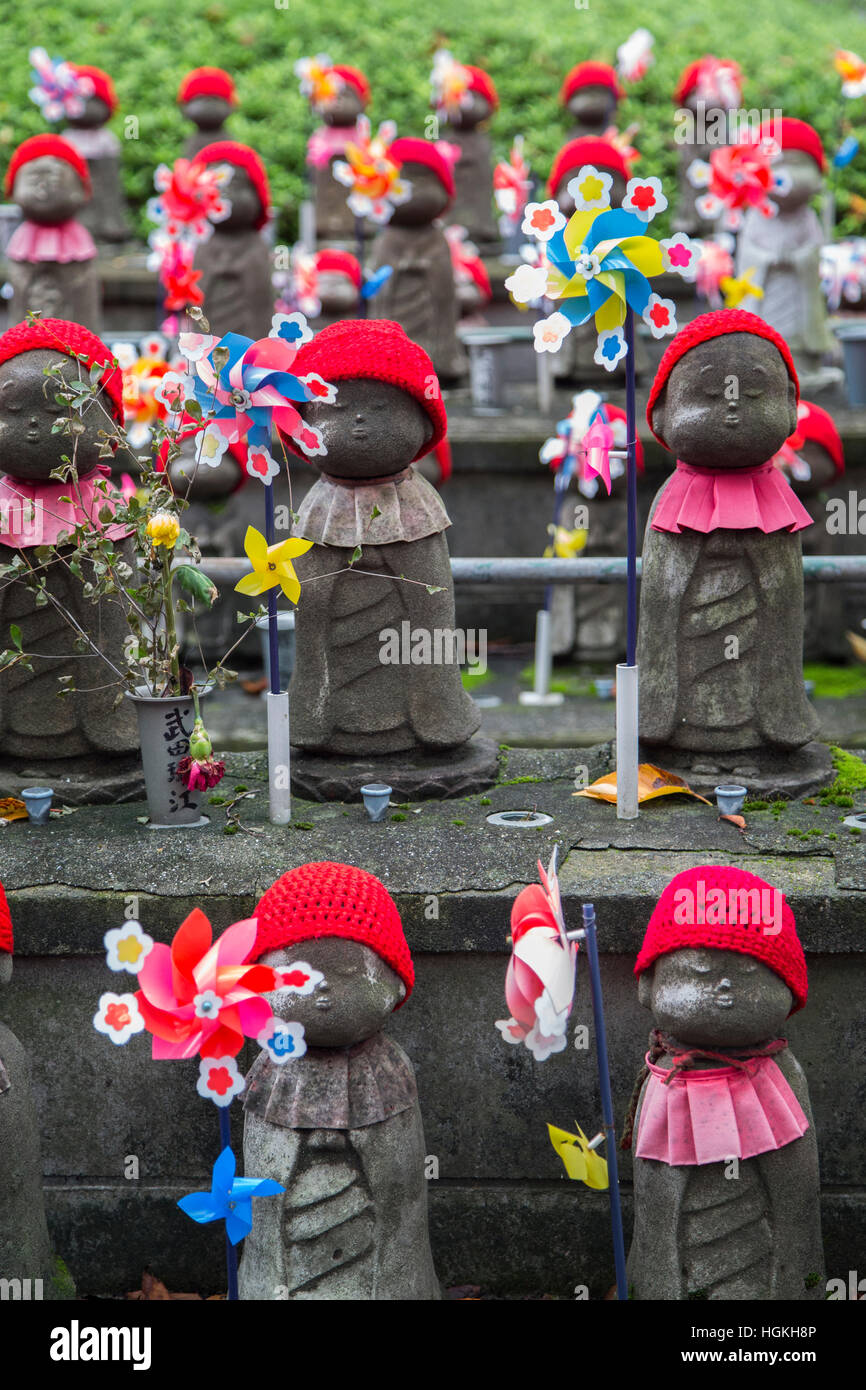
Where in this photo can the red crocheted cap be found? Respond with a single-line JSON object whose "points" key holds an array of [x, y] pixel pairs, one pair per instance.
{"points": [[589, 75], [817, 427], [795, 135], [409, 150], [588, 149], [207, 82], [714, 325], [37, 147], [376, 350], [72, 338], [230, 152], [5, 923], [328, 899], [679, 921], [103, 87], [482, 82], [355, 78], [340, 263]]}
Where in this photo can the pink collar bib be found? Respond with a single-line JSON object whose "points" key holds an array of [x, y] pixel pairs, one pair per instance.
{"points": [[32, 514], [710, 1116], [698, 499], [68, 241]]}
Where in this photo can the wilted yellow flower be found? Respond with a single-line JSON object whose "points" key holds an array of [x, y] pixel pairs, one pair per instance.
{"points": [[163, 529]]}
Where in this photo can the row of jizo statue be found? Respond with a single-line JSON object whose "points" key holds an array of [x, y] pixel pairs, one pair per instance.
{"points": [[726, 1182], [66, 193]]}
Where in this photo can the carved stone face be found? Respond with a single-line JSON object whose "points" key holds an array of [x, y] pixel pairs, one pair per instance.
{"points": [[428, 201], [96, 112], [342, 109], [728, 403], [350, 1004], [565, 200], [805, 176], [373, 429], [48, 191], [594, 107], [476, 110], [28, 449], [715, 998], [208, 113], [245, 201], [336, 292]]}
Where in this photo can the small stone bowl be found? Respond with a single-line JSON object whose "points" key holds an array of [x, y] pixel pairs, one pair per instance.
{"points": [[729, 798], [376, 798], [519, 820], [604, 687], [38, 803]]}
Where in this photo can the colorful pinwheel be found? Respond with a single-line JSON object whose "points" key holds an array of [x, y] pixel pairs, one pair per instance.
{"points": [[466, 263], [511, 185], [450, 91], [635, 55], [58, 90], [191, 197], [371, 175], [539, 983], [719, 83], [715, 264], [272, 565], [319, 83], [600, 261], [852, 70], [583, 445], [230, 1199], [254, 389], [738, 177]]}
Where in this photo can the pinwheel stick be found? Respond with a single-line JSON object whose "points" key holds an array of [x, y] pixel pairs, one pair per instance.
{"points": [[231, 1252], [591, 944], [627, 674], [279, 750], [359, 247]]}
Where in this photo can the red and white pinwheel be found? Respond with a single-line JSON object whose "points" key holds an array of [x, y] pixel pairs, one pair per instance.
{"points": [[539, 984]]}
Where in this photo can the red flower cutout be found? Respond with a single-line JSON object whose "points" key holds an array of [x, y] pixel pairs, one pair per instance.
{"points": [[543, 219], [643, 197], [660, 315], [259, 464], [219, 1080], [117, 1016], [679, 254]]}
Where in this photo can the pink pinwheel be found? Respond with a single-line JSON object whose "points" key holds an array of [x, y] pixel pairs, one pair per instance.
{"points": [[716, 263], [511, 184], [539, 984], [198, 997], [597, 444], [738, 177]]}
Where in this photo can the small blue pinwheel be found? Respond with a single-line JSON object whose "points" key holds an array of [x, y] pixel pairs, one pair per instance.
{"points": [[230, 1199]]}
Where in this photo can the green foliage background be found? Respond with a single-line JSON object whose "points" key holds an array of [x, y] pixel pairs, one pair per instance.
{"points": [[785, 50]]}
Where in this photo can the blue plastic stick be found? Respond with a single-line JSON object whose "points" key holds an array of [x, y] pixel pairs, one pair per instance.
{"points": [[631, 544], [231, 1252], [606, 1101], [273, 631]]}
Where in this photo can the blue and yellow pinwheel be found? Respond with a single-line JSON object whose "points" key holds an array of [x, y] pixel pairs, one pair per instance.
{"points": [[601, 261]]}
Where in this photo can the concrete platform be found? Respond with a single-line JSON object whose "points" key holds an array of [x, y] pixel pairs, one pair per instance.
{"points": [[502, 1213]]}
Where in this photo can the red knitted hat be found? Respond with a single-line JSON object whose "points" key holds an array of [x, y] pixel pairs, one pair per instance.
{"points": [[588, 149], [690, 76], [409, 150], [207, 82], [355, 78], [74, 340], [817, 427], [589, 75], [37, 147], [5, 923], [481, 82], [679, 920], [103, 87], [795, 135], [230, 152], [714, 325], [376, 350], [328, 899], [340, 263]]}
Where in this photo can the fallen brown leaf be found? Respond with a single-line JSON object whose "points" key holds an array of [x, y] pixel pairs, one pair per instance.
{"points": [[254, 687], [738, 821], [153, 1290]]}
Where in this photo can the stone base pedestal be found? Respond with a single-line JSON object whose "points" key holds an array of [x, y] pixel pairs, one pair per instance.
{"points": [[413, 776], [769, 775], [77, 781]]}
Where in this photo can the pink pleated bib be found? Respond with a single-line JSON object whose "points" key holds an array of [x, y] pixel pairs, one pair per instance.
{"points": [[31, 513], [718, 1114], [67, 241], [700, 500]]}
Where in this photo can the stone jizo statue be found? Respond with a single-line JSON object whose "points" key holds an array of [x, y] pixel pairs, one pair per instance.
{"points": [[339, 113], [206, 97], [591, 93], [421, 295], [340, 1127], [105, 215], [235, 261], [51, 254], [707, 92], [726, 1184], [473, 206], [350, 694]]}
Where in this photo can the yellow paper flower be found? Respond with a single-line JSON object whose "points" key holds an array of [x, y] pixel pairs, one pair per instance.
{"points": [[272, 565], [566, 544], [163, 529], [734, 291]]}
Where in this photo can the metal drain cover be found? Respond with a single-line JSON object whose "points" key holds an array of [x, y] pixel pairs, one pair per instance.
{"points": [[519, 820]]}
